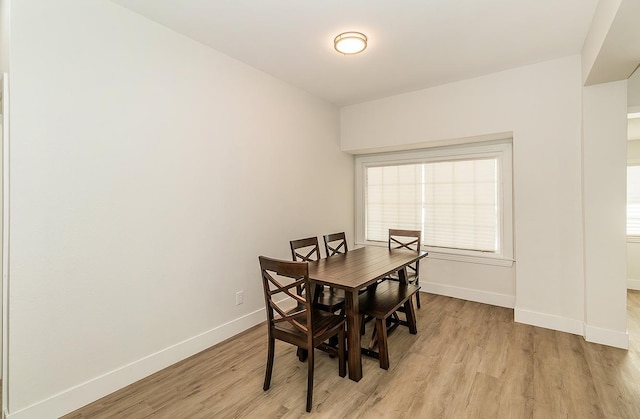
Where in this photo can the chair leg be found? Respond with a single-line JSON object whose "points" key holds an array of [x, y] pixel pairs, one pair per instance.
{"points": [[310, 379], [418, 295], [342, 361], [270, 353], [301, 354], [383, 352], [333, 341]]}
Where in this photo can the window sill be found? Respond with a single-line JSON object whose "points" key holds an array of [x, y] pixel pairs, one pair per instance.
{"points": [[481, 260], [472, 259]]}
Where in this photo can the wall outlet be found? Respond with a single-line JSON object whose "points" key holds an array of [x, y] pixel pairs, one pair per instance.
{"points": [[239, 297]]}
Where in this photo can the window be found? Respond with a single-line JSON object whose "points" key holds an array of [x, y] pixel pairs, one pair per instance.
{"points": [[459, 197], [633, 202]]}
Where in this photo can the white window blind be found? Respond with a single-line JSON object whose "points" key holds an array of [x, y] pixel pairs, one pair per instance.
{"points": [[633, 200], [394, 199], [454, 203]]}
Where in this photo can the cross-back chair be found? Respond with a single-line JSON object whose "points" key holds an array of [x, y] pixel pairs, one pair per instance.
{"points": [[305, 250], [302, 326], [335, 244], [383, 301], [308, 250], [410, 240]]}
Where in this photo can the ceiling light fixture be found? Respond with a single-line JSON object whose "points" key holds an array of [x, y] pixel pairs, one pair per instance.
{"points": [[349, 43]]}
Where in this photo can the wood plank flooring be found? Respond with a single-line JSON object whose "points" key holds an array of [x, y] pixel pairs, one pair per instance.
{"points": [[468, 360]]}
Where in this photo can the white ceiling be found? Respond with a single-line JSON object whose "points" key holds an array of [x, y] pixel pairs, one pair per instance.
{"points": [[413, 44]]}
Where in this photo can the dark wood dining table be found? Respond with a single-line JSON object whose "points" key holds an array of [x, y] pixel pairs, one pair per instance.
{"points": [[353, 271]]}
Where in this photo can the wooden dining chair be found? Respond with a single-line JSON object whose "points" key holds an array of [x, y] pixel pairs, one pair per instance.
{"points": [[302, 326], [308, 250], [335, 244], [305, 250], [410, 240]]}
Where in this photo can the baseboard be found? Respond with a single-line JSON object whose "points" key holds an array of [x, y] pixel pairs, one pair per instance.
{"points": [[501, 300], [633, 284], [606, 337], [549, 321], [69, 400]]}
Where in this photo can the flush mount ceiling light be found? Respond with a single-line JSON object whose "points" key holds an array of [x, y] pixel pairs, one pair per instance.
{"points": [[349, 43]]}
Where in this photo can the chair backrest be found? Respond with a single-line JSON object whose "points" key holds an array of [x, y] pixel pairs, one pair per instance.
{"points": [[305, 250], [281, 279], [335, 243], [406, 239]]}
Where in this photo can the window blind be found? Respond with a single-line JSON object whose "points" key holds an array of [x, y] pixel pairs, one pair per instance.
{"points": [[633, 200], [454, 203]]}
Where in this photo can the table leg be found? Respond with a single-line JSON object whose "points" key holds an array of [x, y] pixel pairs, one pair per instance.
{"points": [[352, 308], [402, 275]]}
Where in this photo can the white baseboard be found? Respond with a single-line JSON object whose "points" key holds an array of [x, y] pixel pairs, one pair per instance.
{"points": [[606, 337], [501, 300], [71, 399], [592, 334], [633, 284], [549, 321]]}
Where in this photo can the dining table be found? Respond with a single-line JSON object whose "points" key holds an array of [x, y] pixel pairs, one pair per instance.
{"points": [[353, 271]]}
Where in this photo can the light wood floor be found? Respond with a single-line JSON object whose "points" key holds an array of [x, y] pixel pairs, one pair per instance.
{"points": [[468, 360]]}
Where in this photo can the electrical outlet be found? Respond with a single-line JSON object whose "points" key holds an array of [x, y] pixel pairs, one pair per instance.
{"points": [[239, 297]]}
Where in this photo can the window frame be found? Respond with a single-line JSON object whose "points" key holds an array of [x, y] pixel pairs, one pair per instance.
{"points": [[501, 150]]}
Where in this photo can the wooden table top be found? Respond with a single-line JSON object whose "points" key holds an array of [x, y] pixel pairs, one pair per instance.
{"points": [[360, 267]]}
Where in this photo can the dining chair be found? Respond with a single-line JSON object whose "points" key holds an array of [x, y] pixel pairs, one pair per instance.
{"points": [[410, 240], [308, 250], [335, 243], [305, 250], [302, 326]]}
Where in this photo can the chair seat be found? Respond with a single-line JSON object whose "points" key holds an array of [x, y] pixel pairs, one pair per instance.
{"points": [[330, 300], [324, 324], [387, 297], [411, 277]]}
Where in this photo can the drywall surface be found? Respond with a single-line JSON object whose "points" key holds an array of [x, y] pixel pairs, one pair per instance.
{"points": [[633, 90], [5, 7], [603, 19], [148, 172], [604, 198], [633, 248], [540, 105]]}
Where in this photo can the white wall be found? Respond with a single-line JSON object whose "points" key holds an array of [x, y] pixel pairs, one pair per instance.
{"points": [[633, 249], [633, 151], [2, 141], [148, 172], [4, 35], [633, 155], [601, 23], [633, 90], [483, 283], [604, 151], [541, 105], [4, 68]]}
